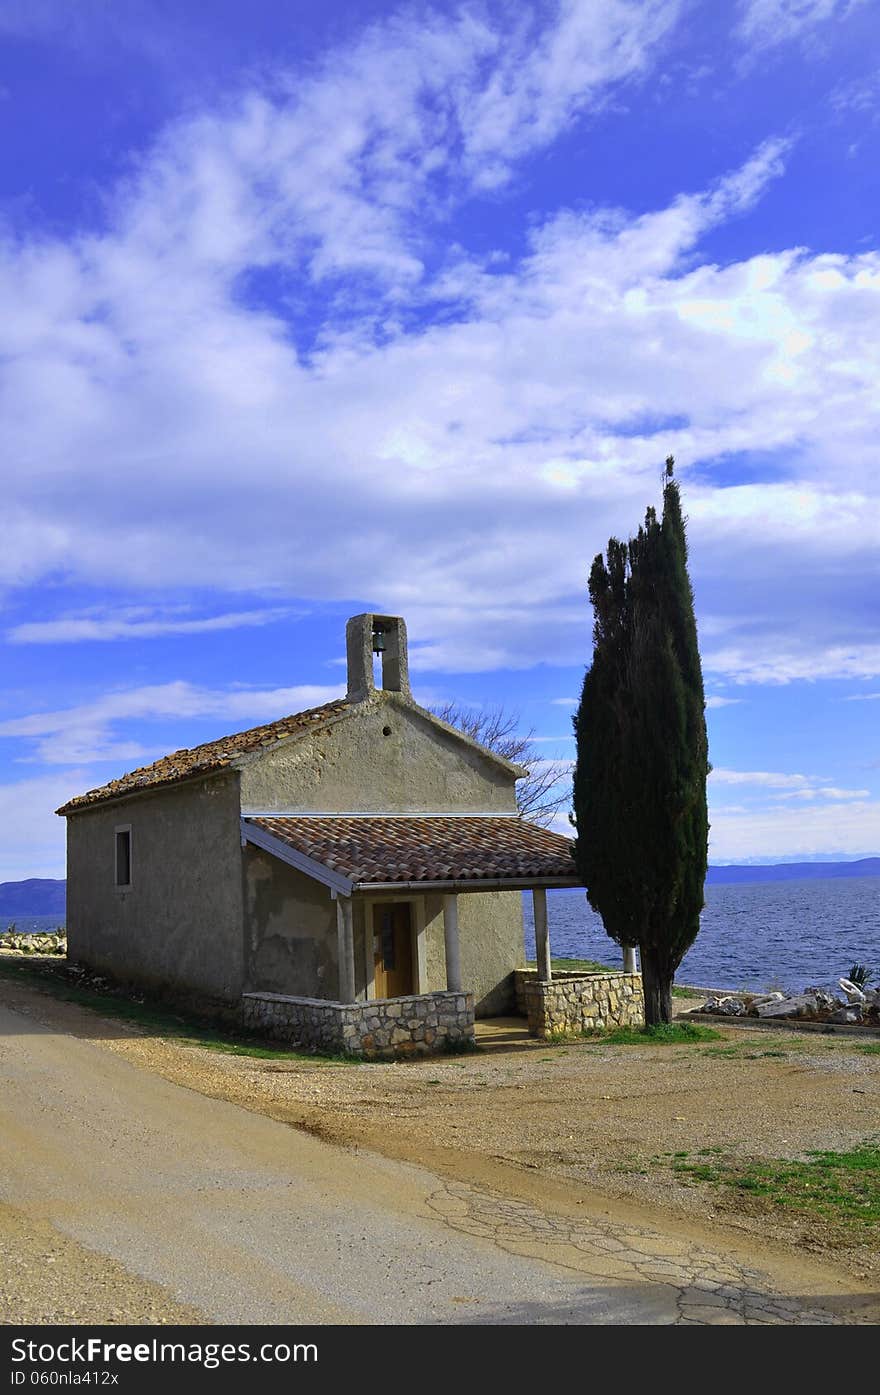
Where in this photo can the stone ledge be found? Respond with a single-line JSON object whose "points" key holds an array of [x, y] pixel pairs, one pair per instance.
{"points": [[783, 1024]]}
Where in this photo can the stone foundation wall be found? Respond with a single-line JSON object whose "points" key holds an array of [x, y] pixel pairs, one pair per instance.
{"points": [[575, 1003], [417, 1025]]}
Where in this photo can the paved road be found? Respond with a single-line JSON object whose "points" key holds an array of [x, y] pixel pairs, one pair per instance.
{"points": [[239, 1219]]}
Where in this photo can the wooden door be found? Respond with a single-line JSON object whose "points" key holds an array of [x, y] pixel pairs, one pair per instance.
{"points": [[392, 949]]}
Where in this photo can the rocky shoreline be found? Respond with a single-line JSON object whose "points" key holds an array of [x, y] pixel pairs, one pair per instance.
{"points": [[850, 1004]]}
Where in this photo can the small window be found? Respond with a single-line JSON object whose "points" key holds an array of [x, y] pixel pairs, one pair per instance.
{"points": [[388, 940], [123, 857]]}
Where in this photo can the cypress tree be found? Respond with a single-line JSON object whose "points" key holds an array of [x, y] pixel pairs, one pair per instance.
{"points": [[642, 751]]}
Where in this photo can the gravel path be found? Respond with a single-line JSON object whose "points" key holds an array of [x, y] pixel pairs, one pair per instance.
{"points": [[165, 1202]]}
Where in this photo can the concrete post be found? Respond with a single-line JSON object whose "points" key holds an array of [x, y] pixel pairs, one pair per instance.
{"points": [[542, 936], [345, 931], [630, 960], [453, 944]]}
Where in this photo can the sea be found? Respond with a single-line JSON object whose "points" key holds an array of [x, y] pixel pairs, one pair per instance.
{"points": [[753, 935]]}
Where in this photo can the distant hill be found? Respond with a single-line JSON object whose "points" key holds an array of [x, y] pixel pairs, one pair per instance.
{"points": [[36, 896], [794, 871]]}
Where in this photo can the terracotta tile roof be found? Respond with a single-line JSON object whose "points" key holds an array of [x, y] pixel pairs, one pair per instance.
{"points": [[434, 848], [207, 758]]}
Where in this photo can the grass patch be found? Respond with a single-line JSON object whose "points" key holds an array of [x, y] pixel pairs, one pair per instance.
{"points": [[838, 1186], [664, 1034], [184, 1028], [740, 1052]]}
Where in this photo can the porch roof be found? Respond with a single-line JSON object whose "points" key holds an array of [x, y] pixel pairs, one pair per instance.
{"points": [[462, 852]]}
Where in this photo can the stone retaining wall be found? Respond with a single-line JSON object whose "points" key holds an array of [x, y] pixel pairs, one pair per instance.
{"points": [[573, 1003], [530, 975], [417, 1025]]}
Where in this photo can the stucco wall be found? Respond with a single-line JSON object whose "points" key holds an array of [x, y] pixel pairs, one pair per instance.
{"points": [[490, 927], [290, 930], [180, 923], [354, 766]]}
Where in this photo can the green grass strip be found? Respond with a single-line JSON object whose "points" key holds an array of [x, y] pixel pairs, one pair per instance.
{"points": [[839, 1186], [184, 1028], [663, 1034]]}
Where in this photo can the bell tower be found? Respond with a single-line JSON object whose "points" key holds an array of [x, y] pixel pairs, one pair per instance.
{"points": [[366, 635]]}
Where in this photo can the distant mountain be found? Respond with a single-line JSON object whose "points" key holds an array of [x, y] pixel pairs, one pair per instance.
{"points": [[793, 871], [36, 896]]}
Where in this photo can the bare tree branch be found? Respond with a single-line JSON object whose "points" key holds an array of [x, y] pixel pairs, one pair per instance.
{"points": [[546, 789]]}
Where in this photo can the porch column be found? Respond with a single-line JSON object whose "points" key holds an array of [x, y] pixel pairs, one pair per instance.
{"points": [[453, 944], [542, 937], [345, 933]]}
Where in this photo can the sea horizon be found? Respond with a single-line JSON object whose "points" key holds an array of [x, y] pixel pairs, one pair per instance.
{"points": [[754, 935]]}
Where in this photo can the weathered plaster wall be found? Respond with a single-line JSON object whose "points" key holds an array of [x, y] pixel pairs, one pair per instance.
{"points": [[490, 926], [180, 923], [290, 930], [354, 766]]}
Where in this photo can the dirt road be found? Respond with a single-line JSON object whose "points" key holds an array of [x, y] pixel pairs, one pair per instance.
{"points": [[128, 1197]]}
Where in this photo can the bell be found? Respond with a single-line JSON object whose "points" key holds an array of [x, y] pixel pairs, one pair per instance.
{"points": [[378, 642]]}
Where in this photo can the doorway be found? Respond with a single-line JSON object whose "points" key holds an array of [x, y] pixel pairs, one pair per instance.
{"points": [[392, 949]]}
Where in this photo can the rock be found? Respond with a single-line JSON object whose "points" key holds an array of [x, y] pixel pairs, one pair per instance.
{"points": [[853, 992], [825, 1001], [774, 997], [801, 1005], [725, 1007], [846, 1015]]}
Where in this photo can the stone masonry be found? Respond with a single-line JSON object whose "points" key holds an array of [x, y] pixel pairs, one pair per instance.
{"points": [[417, 1025], [574, 1003]]}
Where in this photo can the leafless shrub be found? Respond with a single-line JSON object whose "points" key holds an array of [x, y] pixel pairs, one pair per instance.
{"points": [[546, 789]]}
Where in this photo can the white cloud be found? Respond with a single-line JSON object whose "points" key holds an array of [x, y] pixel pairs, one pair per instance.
{"points": [[134, 623], [765, 23], [767, 779], [81, 734], [542, 79], [861, 95], [439, 438], [827, 792], [794, 660], [788, 814], [33, 838], [796, 832], [563, 702], [715, 701]]}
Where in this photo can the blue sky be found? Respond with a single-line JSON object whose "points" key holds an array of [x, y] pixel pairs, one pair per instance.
{"points": [[314, 309]]}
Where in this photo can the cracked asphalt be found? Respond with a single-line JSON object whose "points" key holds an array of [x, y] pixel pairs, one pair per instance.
{"points": [[127, 1197]]}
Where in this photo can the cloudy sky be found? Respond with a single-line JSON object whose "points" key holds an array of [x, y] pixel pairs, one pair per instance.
{"points": [[319, 308]]}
